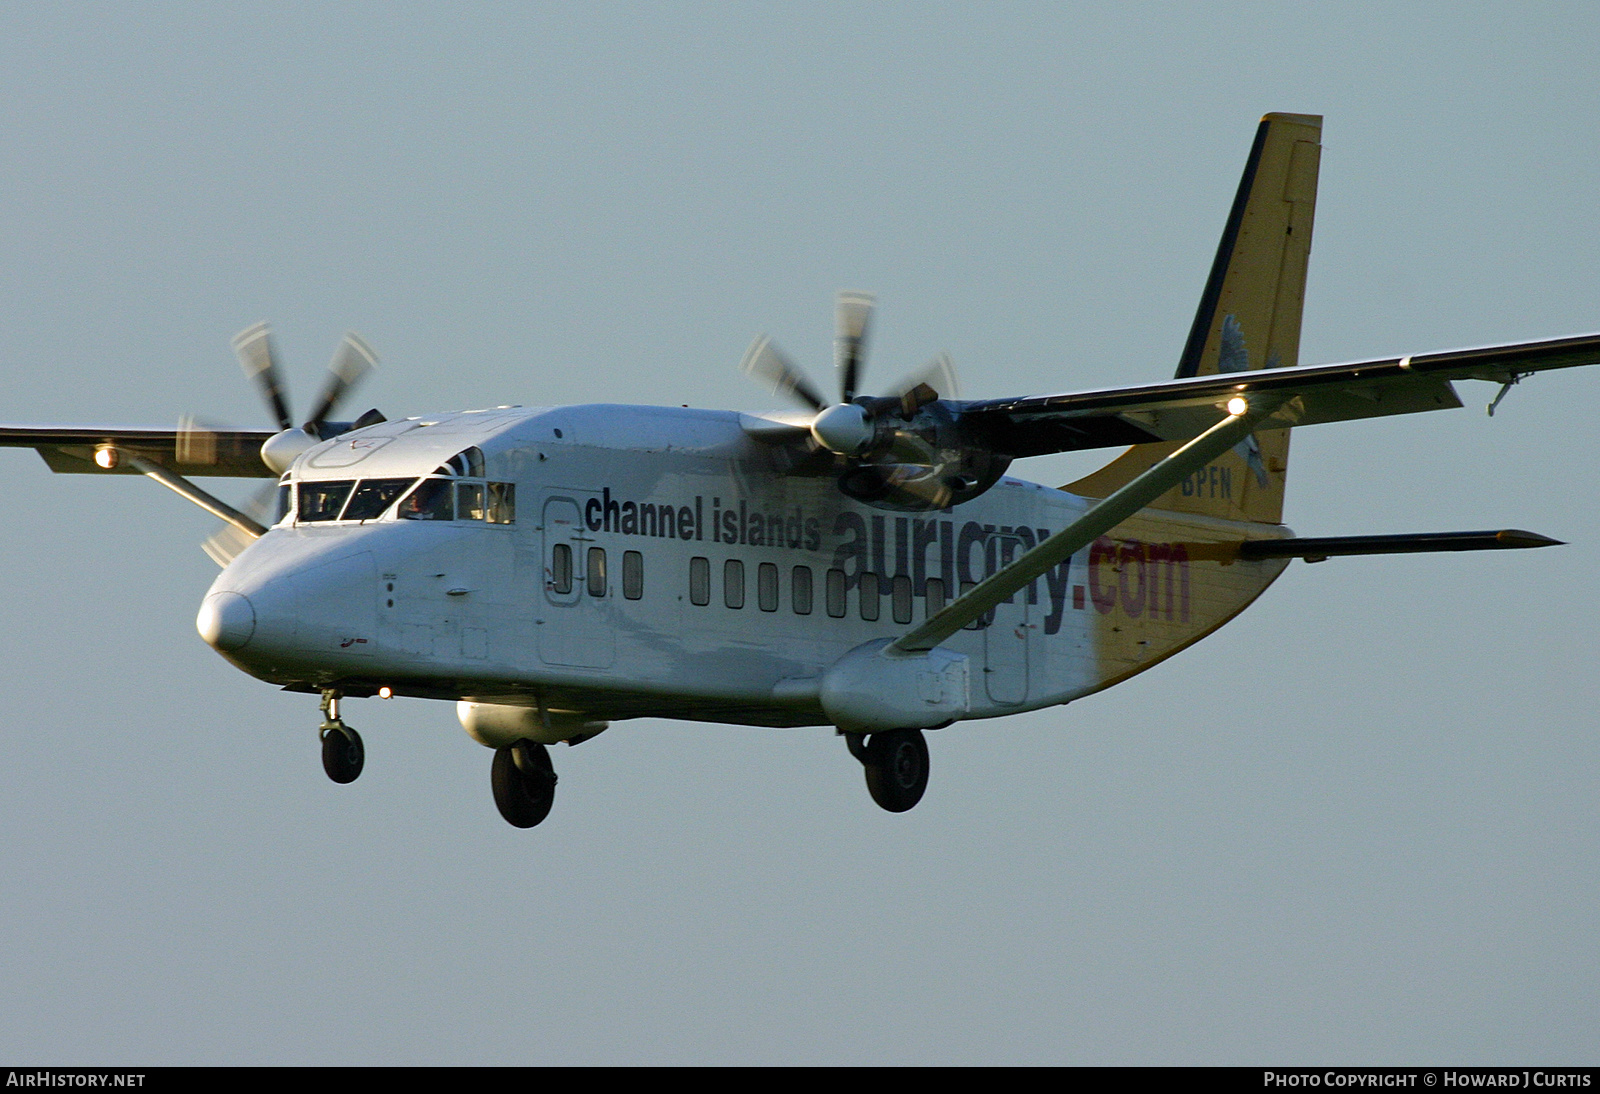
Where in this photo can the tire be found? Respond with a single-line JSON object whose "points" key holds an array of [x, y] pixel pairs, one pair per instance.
{"points": [[343, 754], [897, 768], [524, 783]]}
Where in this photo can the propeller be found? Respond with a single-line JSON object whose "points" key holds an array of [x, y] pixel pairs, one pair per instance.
{"points": [[258, 357], [351, 362], [849, 426], [903, 450]]}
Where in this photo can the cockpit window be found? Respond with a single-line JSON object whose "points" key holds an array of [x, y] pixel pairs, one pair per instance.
{"points": [[373, 496], [434, 498], [502, 503], [323, 500], [431, 500], [469, 500], [468, 463]]}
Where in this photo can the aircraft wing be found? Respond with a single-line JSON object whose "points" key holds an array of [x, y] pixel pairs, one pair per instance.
{"points": [[191, 451], [1179, 409]]}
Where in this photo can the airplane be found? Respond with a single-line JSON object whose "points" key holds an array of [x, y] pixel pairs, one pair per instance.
{"points": [[867, 563]]}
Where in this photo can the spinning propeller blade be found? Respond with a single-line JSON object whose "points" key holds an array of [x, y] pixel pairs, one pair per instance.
{"points": [[938, 374], [352, 361], [851, 315], [224, 544], [767, 363], [256, 357]]}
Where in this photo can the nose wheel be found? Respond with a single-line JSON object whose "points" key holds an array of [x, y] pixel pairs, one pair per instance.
{"points": [[896, 763], [343, 754], [524, 782]]}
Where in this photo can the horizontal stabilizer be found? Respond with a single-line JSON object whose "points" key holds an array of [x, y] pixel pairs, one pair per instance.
{"points": [[1318, 549]]}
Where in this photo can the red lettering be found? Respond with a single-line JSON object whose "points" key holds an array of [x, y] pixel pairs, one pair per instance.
{"points": [[1104, 599]]}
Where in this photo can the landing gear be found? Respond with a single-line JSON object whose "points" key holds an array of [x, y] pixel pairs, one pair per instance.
{"points": [[524, 783], [896, 763], [343, 755]]}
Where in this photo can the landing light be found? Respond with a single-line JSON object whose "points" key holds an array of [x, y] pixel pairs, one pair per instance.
{"points": [[385, 693], [106, 456], [1237, 405]]}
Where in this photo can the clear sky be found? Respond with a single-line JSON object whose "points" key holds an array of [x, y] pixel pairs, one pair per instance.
{"points": [[1359, 824]]}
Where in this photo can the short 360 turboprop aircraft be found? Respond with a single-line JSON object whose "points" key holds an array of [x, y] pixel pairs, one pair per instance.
{"points": [[867, 564]]}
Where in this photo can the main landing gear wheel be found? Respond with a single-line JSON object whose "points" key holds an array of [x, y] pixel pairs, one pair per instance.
{"points": [[343, 754], [896, 764], [524, 782]]}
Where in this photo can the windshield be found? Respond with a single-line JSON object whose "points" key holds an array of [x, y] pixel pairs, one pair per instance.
{"points": [[431, 500], [372, 497], [347, 499], [323, 500]]}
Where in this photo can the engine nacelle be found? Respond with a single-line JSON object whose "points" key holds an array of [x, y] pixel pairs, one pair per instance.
{"points": [[920, 462], [496, 725], [866, 691]]}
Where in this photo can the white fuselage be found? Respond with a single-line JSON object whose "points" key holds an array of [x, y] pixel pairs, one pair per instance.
{"points": [[643, 562]]}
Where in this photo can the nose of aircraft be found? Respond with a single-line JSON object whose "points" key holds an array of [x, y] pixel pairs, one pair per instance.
{"points": [[227, 620], [290, 603]]}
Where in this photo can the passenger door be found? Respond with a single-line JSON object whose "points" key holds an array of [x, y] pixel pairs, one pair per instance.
{"points": [[573, 623]]}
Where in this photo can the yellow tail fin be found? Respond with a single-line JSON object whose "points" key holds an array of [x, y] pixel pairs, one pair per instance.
{"points": [[1249, 317]]}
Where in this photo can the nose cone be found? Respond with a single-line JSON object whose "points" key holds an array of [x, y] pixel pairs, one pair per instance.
{"points": [[226, 621]]}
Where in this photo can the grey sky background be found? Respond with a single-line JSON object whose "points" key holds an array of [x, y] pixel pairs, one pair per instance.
{"points": [[1358, 824]]}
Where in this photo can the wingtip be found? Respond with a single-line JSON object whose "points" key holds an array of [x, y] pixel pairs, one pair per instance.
{"points": [[1517, 537]]}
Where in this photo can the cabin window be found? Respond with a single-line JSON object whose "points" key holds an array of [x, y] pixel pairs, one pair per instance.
{"points": [[800, 590], [323, 500], [867, 590], [502, 502], [285, 501], [469, 501], [561, 568], [733, 583], [934, 592], [632, 575], [767, 587], [373, 496], [431, 500], [699, 581], [835, 593], [900, 599], [597, 571]]}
